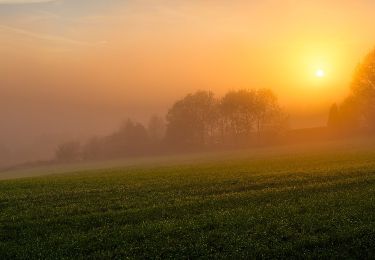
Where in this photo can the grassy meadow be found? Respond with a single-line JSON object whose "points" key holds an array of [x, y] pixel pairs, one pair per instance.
{"points": [[303, 201]]}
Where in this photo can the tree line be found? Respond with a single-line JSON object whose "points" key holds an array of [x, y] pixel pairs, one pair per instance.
{"points": [[200, 120]]}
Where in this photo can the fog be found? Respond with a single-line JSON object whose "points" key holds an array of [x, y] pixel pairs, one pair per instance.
{"points": [[70, 70]]}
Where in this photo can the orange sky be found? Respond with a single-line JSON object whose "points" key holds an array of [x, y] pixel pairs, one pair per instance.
{"points": [[77, 65]]}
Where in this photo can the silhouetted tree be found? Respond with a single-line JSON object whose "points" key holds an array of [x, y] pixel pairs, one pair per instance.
{"points": [[130, 139], [198, 120], [246, 111], [238, 114], [359, 108], [268, 114], [192, 120], [350, 111], [201, 119], [68, 152]]}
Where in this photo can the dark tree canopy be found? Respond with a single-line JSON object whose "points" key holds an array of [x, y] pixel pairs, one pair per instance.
{"points": [[191, 120], [201, 119], [238, 113]]}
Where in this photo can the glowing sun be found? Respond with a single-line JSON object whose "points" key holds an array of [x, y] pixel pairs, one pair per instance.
{"points": [[320, 73]]}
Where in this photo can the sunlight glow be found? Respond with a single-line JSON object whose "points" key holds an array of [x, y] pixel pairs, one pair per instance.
{"points": [[320, 73]]}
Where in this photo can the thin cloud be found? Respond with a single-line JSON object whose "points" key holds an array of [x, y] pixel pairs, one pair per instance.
{"points": [[15, 2], [47, 37]]}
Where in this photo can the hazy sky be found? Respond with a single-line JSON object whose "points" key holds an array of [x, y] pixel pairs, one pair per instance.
{"points": [[73, 67]]}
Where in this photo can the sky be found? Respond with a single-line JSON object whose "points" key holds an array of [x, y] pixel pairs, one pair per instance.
{"points": [[76, 68]]}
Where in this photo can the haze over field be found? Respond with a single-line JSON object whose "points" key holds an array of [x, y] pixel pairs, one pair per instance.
{"points": [[71, 69], [189, 129]]}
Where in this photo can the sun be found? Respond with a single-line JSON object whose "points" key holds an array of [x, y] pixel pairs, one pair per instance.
{"points": [[319, 73]]}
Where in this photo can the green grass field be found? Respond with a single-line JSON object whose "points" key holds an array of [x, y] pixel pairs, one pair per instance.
{"points": [[315, 201]]}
